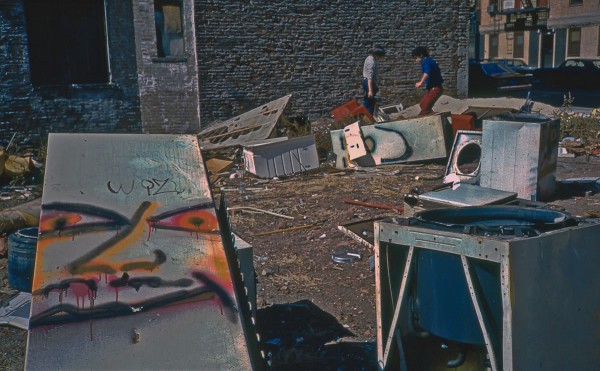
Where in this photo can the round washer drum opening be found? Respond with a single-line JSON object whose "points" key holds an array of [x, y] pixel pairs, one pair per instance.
{"points": [[468, 158]]}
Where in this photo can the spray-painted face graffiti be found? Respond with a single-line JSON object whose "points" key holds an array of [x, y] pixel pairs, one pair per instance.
{"points": [[110, 253]]}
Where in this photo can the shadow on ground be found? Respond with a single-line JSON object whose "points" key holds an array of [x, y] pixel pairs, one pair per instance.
{"points": [[301, 336]]}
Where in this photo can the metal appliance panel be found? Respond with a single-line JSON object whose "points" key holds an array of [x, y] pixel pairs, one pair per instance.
{"points": [[468, 195], [549, 288], [131, 270], [519, 155], [464, 162], [408, 140]]}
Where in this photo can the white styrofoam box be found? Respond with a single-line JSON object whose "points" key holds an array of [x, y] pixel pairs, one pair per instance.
{"points": [[281, 158], [354, 141]]}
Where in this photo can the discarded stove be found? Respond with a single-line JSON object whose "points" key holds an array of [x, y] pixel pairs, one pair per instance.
{"points": [[497, 287]]}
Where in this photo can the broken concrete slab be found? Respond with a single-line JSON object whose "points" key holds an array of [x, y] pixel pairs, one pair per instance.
{"points": [[409, 140], [281, 157], [253, 125]]}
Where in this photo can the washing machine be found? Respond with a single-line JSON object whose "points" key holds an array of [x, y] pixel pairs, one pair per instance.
{"points": [[488, 288]]}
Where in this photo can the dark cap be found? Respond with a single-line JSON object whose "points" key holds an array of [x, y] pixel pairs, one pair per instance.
{"points": [[379, 51]]}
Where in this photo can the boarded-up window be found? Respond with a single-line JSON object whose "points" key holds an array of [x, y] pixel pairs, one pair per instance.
{"points": [[574, 42], [67, 41], [493, 46], [519, 49], [169, 28]]}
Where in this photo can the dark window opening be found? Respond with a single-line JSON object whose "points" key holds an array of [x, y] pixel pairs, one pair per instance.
{"points": [[519, 40], [574, 43], [598, 40], [169, 28], [493, 46], [575, 2], [67, 41]]}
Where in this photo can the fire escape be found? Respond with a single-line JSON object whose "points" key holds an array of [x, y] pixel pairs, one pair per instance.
{"points": [[521, 15]]}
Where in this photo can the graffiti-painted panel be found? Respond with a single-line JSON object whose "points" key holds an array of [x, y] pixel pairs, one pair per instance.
{"points": [[416, 139], [130, 269]]}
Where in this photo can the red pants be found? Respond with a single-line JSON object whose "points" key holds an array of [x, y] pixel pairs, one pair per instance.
{"points": [[429, 100]]}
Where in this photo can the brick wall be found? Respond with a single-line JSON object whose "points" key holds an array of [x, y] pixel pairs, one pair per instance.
{"points": [[32, 111], [251, 52]]}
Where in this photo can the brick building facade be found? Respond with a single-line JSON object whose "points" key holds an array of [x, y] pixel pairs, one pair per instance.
{"points": [[541, 32], [142, 66]]}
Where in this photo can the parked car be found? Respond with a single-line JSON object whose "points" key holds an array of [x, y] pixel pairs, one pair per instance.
{"points": [[516, 64], [574, 73], [489, 79]]}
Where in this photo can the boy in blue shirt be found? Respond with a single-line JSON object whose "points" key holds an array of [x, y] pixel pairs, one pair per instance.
{"points": [[432, 78]]}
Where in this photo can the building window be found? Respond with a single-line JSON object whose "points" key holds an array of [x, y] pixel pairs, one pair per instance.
{"points": [[519, 40], [169, 28], [67, 41], [574, 42], [575, 2], [493, 46]]}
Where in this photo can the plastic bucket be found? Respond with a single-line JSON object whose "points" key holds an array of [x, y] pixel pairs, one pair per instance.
{"points": [[22, 246]]}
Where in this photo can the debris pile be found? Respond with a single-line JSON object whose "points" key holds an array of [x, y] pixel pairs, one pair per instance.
{"points": [[580, 134]]}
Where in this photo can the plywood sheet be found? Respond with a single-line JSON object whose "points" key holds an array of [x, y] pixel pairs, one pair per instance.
{"points": [[256, 124], [131, 270]]}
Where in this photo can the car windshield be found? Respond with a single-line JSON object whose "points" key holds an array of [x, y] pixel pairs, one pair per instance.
{"points": [[494, 68], [597, 63]]}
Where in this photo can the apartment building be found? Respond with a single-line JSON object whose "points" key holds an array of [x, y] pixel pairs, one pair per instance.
{"points": [[541, 32]]}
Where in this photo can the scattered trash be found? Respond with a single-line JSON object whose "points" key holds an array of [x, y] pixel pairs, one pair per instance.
{"points": [[346, 256], [374, 205], [16, 312], [281, 158], [260, 211]]}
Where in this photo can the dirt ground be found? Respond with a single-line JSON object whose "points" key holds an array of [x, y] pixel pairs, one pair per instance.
{"points": [[313, 312]]}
